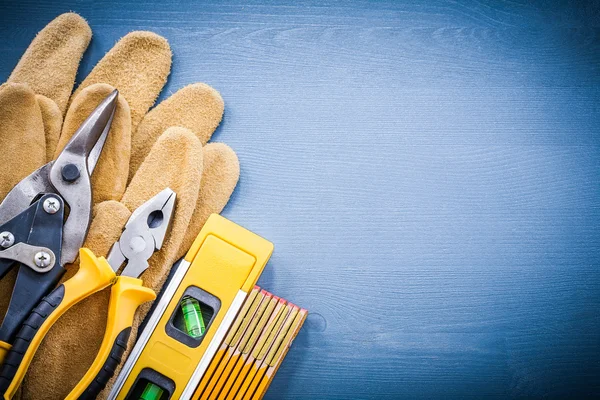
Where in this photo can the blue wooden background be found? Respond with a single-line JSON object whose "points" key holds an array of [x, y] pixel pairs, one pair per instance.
{"points": [[428, 170]]}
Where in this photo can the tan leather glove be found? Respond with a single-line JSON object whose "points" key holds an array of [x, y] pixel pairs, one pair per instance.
{"points": [[148, 150]]}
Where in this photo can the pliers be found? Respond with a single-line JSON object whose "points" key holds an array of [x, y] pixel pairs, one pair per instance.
{"points": [[37, 234], [144, 234]]}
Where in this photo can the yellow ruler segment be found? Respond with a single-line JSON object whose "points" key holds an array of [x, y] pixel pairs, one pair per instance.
{"points": [[243, 312], [260, 343], [284, 330], [260, 355], [250, 306], [248, 347], [255, 308], [263, 352], [211, 382], [237, 351], [266, 317], [280, 354], [271, 353]]}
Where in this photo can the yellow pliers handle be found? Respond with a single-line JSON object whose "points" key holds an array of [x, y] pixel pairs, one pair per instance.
{"points": [[94, 274], [126, 296]]}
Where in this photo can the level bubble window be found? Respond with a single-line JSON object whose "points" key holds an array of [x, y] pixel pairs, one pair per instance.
{"points": [[193, 315], [151, 385]]}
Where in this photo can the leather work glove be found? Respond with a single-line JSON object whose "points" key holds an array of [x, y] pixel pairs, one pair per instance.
{"points": [[145, 152]]}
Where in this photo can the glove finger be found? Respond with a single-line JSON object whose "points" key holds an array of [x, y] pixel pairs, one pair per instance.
{"points": [[138, 65], [71, 345], [21, 135], [49, 65], [109, 179], [52, 119], [220, 175], [197, 107], [108, 221]]}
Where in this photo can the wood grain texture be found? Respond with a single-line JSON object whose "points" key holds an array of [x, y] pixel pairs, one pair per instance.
{"points": [[429, 172]]}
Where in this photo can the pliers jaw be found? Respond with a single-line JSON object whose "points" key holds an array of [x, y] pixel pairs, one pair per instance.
{"points": [[144, 234]]}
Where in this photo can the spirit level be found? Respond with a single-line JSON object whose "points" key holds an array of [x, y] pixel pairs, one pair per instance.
{"points": [[218, 272]]}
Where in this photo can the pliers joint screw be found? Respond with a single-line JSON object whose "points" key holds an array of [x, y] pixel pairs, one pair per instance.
{"points": [[42, 259], [51, 205], [7, 239]]}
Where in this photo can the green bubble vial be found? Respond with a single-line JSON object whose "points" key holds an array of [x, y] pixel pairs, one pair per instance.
{"points": [[151, 392], [192, 317]]}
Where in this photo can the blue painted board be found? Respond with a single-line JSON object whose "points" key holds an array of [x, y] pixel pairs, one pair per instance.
{"points": [[429, 172]]}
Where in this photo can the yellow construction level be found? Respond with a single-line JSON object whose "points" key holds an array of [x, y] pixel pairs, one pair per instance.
{"points": [[194, 313]]}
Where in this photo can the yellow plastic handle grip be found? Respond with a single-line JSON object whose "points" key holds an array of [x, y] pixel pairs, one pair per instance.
{"points": [[125, 297], [94, 275]]}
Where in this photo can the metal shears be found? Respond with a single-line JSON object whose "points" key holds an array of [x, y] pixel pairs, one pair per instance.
{"points": [[44, 219]]}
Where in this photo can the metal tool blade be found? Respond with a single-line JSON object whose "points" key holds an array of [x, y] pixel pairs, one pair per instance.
{"points": [[144, 234], [77, 192], [21, 196], [89, 139]]}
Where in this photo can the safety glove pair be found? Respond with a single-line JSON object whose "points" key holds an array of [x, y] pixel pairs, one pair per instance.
{"points": [[146, 151]]}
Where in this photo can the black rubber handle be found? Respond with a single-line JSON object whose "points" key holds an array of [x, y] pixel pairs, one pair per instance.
{"points": [[109, 367], [26, 334]]}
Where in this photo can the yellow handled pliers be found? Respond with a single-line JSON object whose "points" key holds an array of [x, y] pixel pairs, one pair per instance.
{"points": [[144, 233]]}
